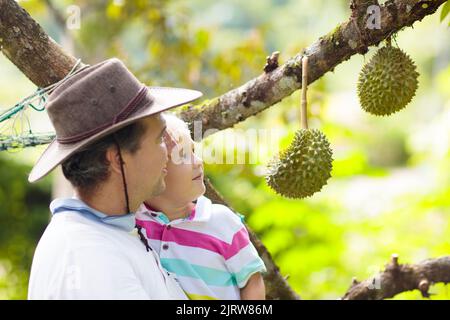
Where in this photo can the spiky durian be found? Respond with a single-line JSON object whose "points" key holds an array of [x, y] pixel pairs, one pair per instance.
{"points": [[388, 82], [304, 167]]}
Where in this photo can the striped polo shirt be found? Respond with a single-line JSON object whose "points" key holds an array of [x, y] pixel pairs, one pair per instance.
{"points": [[209, 252]]}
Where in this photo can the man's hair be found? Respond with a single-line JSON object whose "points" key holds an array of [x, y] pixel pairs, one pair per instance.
{"points": [[89, 167]]}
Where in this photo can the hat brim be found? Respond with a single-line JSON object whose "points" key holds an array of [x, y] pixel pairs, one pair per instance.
{"points": [[164, 98]]}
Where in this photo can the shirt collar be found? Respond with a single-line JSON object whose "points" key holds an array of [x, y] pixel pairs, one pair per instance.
{"points": [[125, 222], [203, 209], [201, 212]]}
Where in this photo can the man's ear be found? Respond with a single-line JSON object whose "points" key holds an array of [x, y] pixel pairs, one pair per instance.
{"points": [[112, 156]]}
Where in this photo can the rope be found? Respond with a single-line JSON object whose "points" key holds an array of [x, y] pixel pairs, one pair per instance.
{"points": [[35, 101]]}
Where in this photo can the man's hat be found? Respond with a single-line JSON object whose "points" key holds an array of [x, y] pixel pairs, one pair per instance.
{"points": [[98, 101]]}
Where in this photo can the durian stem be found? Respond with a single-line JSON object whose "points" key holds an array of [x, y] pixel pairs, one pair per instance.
{"points": [[304, 102], [388, 42]]}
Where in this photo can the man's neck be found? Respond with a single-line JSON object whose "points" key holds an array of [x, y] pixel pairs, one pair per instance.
{"points": [[108, 202]]}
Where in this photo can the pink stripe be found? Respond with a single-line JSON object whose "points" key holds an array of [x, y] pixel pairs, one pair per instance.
{"points": [[153, 230], [192, 216], [189, 238]]}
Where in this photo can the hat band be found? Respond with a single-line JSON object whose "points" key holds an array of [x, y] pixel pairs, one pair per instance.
{"points": [[129, 109]]}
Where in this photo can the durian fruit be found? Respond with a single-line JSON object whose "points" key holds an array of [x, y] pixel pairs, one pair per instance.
{"points": [[388, 82], [304, 167]]}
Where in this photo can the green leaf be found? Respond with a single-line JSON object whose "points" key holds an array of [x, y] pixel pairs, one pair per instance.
{"points": [[445, 10]]}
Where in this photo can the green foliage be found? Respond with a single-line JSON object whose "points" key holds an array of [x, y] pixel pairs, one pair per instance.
{"points": [[24, 215], [390, 185], [445, 10]]}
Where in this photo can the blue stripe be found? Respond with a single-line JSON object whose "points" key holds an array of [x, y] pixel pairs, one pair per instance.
{"points": [[163, 218], [210, 276], [256, 265]]}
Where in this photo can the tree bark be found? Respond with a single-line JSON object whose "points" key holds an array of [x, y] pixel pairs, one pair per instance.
{"points": [[44, 62], [397, 278]]}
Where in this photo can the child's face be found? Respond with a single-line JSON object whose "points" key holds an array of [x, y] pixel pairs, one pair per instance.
{"points": [[184, 179]]}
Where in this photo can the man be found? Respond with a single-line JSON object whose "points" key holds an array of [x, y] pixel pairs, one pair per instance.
{"points": [[111, 143]]}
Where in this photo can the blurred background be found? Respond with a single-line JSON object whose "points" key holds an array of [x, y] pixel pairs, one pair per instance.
{"points": [[390, 186]]}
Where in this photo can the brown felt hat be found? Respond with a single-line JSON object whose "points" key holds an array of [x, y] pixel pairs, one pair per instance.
{"points": [[98, 101]]}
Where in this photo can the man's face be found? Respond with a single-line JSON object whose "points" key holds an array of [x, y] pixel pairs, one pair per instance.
{"points": [[146, 168]]}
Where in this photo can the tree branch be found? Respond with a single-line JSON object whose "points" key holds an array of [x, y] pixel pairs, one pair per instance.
{"points": [[347, 39], [40, 59], [359, 7], [397, 278]]}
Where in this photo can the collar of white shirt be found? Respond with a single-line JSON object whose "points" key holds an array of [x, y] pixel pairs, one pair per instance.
{"points": [[125, 222]]}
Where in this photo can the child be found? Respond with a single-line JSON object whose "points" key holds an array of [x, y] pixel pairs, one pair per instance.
{"points": [[205, 245]]}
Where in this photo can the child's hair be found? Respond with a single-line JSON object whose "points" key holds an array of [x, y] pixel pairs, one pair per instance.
{"points": [[178, 129], [181, 135]]}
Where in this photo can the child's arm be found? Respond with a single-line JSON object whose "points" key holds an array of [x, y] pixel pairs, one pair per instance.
{"points": [[254, 289]]}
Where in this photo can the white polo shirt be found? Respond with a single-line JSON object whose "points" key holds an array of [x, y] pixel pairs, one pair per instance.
{"points": [[80, 258]]}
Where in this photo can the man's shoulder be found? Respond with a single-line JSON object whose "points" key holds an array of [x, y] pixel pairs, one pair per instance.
{"points": [[73, 222], [76, 231]]}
